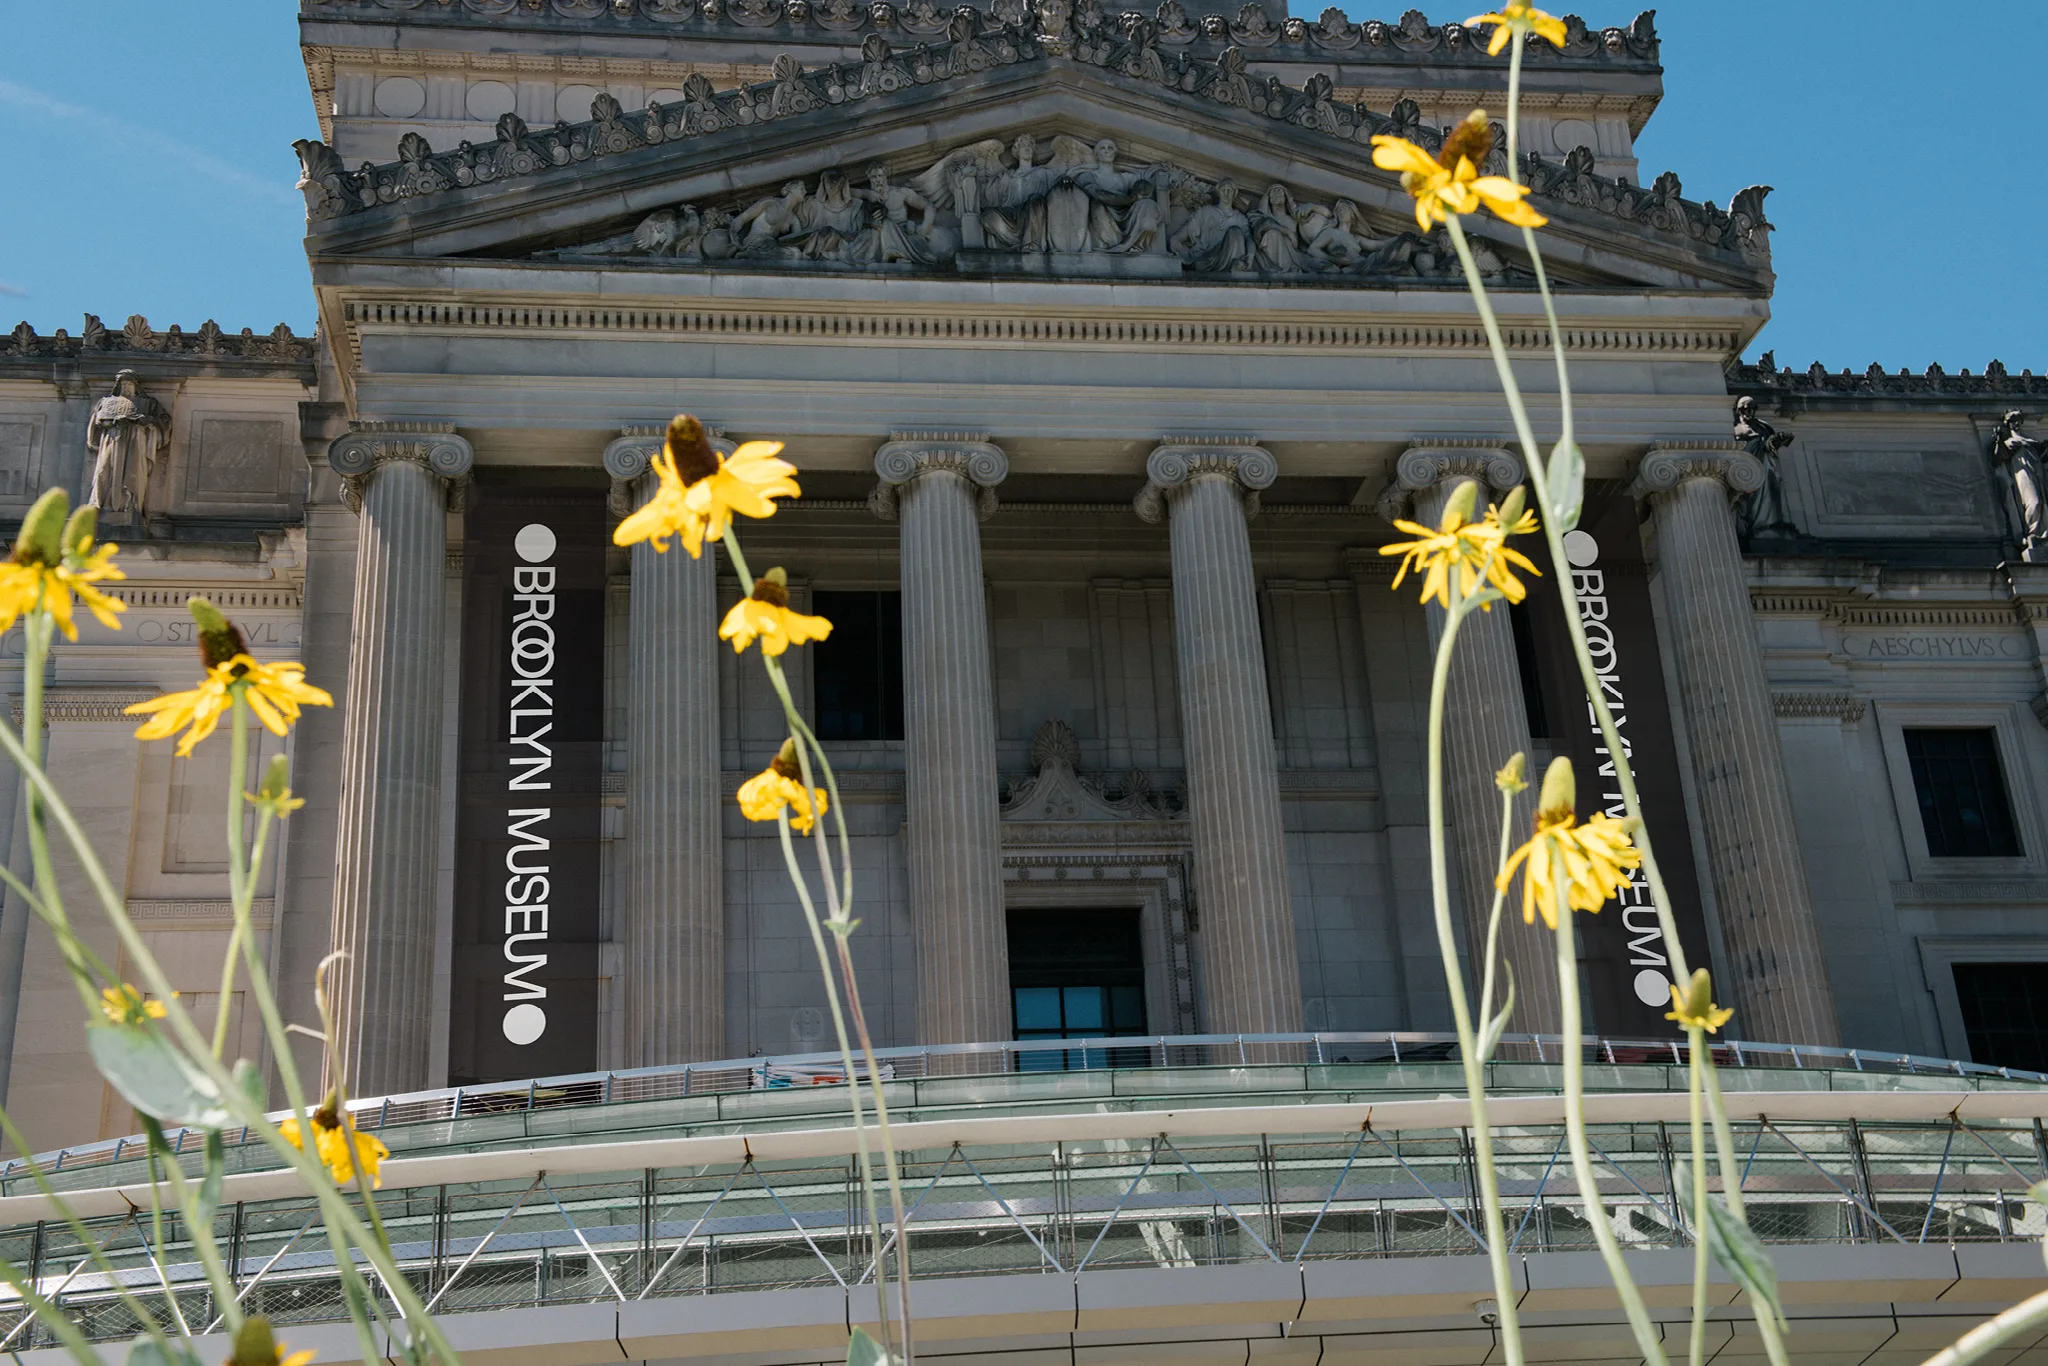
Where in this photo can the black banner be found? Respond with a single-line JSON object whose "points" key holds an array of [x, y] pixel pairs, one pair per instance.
{"points": [[1622, 949], [524, 1001]]}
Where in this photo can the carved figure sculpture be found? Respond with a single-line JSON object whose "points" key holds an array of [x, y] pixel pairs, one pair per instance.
{"points": [[126, 430], [1078, 202], [1763, 513], [2019, 460]]}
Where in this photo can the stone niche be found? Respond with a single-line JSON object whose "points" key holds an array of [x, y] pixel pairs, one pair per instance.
{"points": [[1909, 481], [236, 455]]}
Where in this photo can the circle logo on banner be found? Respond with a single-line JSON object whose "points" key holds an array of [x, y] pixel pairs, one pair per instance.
{"points": [[526, 1022], [536, 543], [1651, 989], [1582, 550]]}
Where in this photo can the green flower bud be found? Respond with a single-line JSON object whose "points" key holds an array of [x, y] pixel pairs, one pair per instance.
{"points": [[255, 1344], [42, 532], [277, 779], [785, 761], [1511, 510], [1514, 775], [1458, 510], [1560, 795], [78, 532], [219, 640], [773, 588]]}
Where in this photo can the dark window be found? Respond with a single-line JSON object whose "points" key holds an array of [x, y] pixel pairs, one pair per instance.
{"points": [[1962, 794], [859, 681], [1077, 974], [1532, 680], [2005, 1013]]}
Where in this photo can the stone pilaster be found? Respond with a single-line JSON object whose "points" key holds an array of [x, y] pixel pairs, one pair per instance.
{"points": [[1206, 489], [1485, 723], [397, 478], [938, 485], [673, 925], [1767, 924]]}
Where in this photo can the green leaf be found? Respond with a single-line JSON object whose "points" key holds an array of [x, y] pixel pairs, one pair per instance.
{"points": [[210, 1179], [145, 1351], [1489, 1038], [863, 1350], [1738, 1250], [1567, 484], [155, 1078]]}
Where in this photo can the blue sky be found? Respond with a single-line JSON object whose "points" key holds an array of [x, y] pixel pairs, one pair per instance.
{"points": [[150, 165]]}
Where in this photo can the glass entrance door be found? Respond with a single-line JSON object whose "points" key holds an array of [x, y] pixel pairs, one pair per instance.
{"points": [[1076, 974]]}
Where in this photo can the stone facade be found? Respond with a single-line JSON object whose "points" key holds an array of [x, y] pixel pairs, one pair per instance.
{"points": [[1119, 459]]}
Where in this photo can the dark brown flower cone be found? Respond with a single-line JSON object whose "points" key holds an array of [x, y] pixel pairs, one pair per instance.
{"points": [[689, 446], [1472, 139]]}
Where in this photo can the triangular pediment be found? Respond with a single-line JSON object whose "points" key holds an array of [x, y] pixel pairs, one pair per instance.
{"points": [[1003, 152]]}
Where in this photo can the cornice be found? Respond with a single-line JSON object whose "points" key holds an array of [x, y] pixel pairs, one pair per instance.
{"points": [[1764, 380], [979, 324], [137, 338]]}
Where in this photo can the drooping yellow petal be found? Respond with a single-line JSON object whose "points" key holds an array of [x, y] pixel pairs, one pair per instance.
{"points": [[764, 797], [777, 627], [1390, 153], [1508, 201]]}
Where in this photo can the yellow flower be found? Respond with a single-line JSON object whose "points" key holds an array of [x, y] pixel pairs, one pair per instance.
{"points": [[1588, 862], [1518, 16], [274, 793], [1477, 550], [1454, 185], [254, 1346], [766, 614], [274, 692], [698, 491], [125, 1005], [1693, 1004], [55, 558], [764, 796], [331, 1134]]}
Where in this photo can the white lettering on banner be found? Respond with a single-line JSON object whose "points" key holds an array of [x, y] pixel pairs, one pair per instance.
{"points": [[1647, 950], [528, 721]]}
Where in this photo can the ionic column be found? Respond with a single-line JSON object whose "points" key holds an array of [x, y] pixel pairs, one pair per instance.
{"points": [[1767, 926], [1206, 490], [1486, 722], [397, 479], [940, 484], [673, 922]]}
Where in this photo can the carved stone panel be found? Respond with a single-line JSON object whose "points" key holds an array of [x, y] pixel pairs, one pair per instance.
{"points": [[20, 458], [1913, 490], [234, 458]]}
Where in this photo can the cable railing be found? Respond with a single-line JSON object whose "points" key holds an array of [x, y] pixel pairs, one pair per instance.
{"points": [[1383, 1050], [1056, 1194]]}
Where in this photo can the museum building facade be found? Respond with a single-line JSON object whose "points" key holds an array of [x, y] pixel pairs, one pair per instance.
{"points": [[1107, 359]]}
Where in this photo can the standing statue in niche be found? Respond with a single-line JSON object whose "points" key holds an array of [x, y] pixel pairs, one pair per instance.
{"points": [[125, 432], [2018, 460], [1763, 513]]}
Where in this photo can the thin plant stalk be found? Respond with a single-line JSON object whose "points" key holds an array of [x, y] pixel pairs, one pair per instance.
{"points": [[238, 762], [839, 906], [1447, 944], [1702, 1256], [1988, 1336], [344, 1227], [1554, 538], [38, 628], [1575, 1126], [1731, 1187]]}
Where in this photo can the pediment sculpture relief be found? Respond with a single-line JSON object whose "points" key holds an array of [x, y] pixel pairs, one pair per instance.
{"points": [[1074, 209], [1056, 791]]}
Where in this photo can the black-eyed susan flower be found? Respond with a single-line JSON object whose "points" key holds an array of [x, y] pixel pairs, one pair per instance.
{"points": [[256, 1346], [765, 613], [697, 490], [333, 1131], [274, 692], [54, 559], [1518, 17], [1453, 184], [125, 1005], [780, 787], [1476, 550], [1693, 1004], [1588, 863]]}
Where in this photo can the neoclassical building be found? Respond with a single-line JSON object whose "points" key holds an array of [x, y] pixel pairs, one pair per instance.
{"points": [[1107, 358]]}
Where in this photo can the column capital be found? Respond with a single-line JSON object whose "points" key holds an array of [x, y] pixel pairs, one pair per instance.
{"points": [[628, 456], [910, 453], [1178, 461], [1667, 468], [1428, 463], [434, 446]]}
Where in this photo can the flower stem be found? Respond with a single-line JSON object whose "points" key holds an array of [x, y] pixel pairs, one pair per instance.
{"points": [[1505, 1294], [1554, 538], [238, 876], [38, 628], [2030, 1313], [1575, 1127], [1701, 1255]]}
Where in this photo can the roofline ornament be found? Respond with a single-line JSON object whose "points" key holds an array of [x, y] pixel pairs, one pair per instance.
{"points": [[137, 338], [1765, 380]]}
